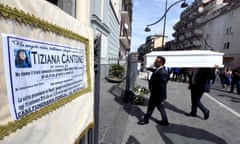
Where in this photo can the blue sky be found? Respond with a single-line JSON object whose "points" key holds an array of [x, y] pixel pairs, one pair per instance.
{"points": [[148, 11]]}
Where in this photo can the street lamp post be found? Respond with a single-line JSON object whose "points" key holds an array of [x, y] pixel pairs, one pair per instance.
{"points": [[183, 5], [206, 43], [164, 23]]}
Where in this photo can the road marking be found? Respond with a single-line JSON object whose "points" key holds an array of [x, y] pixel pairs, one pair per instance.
{"points": [[223, 105]]}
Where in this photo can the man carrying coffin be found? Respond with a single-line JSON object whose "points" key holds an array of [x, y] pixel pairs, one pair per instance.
{"points": [[199, 82]]}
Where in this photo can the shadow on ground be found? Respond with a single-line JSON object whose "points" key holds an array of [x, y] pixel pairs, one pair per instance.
{"points": [[120, 97], [195, 134], [233, 98], [174, 108]]}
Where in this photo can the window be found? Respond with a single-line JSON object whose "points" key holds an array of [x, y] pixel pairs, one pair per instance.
{"points": [[229, 31], [207, 36], [53, 1], [104, 46], [226, 45], [69, 6]]}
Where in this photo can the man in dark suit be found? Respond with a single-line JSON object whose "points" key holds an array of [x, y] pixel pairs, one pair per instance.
{"points": [[158, 88], [199, 82]]}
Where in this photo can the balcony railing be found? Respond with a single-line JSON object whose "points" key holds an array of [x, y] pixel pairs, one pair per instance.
{"points": [[125, 40], [197, 42]]}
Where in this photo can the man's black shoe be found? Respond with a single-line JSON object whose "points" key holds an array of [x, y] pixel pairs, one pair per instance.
{"points": [[206, 115], [191, 114], [143, 122], [164, 123]]}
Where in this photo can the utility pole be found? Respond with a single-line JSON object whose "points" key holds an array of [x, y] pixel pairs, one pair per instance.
{"points": [[164, 24]]}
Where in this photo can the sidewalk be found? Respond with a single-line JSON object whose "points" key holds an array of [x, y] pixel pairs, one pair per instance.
{"points": [[113, 112], [118, 120]]}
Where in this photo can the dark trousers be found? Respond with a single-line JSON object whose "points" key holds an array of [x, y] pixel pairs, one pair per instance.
{"points": [[151, 106], [237, 83], [196, 96]]}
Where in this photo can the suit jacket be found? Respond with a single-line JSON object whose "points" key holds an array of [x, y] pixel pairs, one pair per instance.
{"points": [[158, 84], [202, 79]]}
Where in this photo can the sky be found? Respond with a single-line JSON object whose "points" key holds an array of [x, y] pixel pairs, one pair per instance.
{"points": [[148, 11]]}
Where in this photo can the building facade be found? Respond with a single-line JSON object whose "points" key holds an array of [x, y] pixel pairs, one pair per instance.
{"points": [[125, 29], [112, 20], [152, 43], [210, 26]]}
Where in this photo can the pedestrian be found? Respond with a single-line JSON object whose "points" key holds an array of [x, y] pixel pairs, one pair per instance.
{"points": [[175, 74], [228, 77], [158, 89], [199, 82], [215, 76], [222, 77], [236, 80]]}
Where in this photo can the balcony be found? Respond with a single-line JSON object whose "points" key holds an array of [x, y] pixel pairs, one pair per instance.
{"points": [[199, 20], [189, 44], [193, 15], [126, 10], [125, 40], [190, 25], [197, 32], [125, 16], [180, 24], [181, 38], [177, 26], [197, 43], [126, 5], [194, 33], [174, 34]]}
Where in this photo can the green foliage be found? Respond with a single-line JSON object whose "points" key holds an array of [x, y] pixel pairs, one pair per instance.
{"points": [[139, 100], [116, 70], [140, 90]]}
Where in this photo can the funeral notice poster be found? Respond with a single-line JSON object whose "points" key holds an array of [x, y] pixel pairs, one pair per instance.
{"points": [[40, 73]]}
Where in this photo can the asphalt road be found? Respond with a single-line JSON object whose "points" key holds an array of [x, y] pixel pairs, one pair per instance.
{"points": [[231, 100], [223, 126]]}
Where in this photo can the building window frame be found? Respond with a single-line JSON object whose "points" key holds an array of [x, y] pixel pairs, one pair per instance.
{"points": [[229, 30], [226, 45], [68, 6]]}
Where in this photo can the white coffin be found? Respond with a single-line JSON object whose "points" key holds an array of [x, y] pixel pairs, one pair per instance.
{"points": [[187, 58]]}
